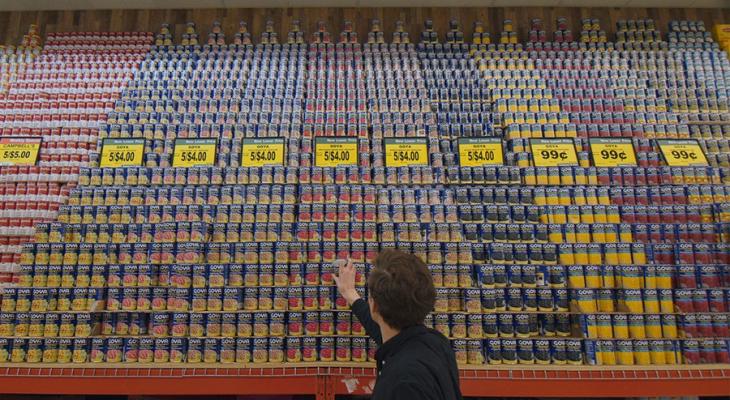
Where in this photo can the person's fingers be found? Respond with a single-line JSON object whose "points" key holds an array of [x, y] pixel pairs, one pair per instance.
{"points": [[342, 269], [349, 263], [337, 280]]}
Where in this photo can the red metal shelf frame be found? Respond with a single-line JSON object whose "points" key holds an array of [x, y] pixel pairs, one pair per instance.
{"points": [[327, 380]]}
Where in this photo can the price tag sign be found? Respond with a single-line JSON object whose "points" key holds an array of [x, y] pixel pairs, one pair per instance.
{"points": [[553, 152], [121, 153], [406, 152], [477, 152], [682, 153], [194, 152], [335, 151], [19, 150], [613, 152], [260, 152]]}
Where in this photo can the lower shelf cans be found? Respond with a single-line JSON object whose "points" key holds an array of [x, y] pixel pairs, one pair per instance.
{"points": [[357, 349]]}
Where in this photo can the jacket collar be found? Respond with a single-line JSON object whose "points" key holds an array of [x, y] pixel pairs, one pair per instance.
{"points": [[396, 343]]}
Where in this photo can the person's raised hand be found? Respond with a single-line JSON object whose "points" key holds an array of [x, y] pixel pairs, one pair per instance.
{"points": [[345, 280]]}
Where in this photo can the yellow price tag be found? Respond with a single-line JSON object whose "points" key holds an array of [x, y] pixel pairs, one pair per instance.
{"points": [[613, 152], [19, 150], [260, 152], [335, 151], [194, 152], [406, 152], [476, 152], [682, 152], [553, 152], [121, 153]]}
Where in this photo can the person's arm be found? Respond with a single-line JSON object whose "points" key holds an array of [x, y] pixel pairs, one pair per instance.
{"points": [[361, 309], [345, 280]]}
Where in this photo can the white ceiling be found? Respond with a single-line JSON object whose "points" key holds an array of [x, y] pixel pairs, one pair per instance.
{"points": [[31, 5]]}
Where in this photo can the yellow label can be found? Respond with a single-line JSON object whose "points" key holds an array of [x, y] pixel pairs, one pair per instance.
{"points": [[567, 255], [586, 300], [587, 215], [664, 276], [608, 276], [641, 352], [637, 329], [594, 253], [581, 254], [656, 352], [651, 301], [650, 277], [624, 254], [630, 277], [607, 352], [583, 233], [569, 233], [573, 214], [624, 352], [666, 300], [620, 326], [555, 233], [632, 301], [669, 326], [605, 300], [610, 254], [576, 277], [590, 329], [653, 325], [592, 276], [604, 326], [638, 253]]}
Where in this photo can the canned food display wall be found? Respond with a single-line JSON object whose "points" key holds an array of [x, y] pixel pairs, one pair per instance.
{"points": [[226, 262]]}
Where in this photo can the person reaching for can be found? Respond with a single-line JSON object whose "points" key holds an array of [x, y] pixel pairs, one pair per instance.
{"points": [[413, 362]]}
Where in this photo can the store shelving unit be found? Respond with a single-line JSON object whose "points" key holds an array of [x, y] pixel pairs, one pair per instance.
{"points": [[325, 380]]}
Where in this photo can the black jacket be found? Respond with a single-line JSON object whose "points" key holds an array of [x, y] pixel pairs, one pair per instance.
{"points": [[418, 363]]}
